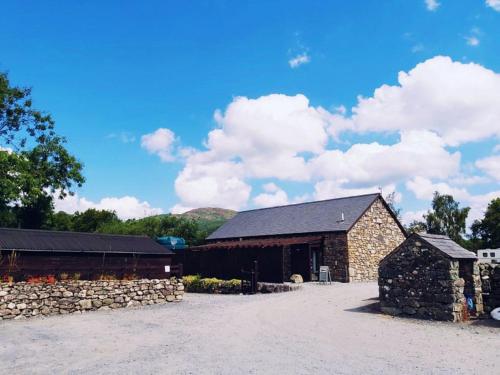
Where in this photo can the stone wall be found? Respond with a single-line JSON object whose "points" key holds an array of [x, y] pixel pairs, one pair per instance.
{"points": [[490, 277], [422, 282], [23, 300], [374, 236], [335, 256]]}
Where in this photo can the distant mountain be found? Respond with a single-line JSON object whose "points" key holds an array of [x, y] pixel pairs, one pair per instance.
{"points": [[209, 213], [209, 218]]}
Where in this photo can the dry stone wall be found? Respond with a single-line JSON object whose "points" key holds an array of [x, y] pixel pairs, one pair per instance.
{"points": [[422, 282], [374, 236], [24, 300], [490, 277]]}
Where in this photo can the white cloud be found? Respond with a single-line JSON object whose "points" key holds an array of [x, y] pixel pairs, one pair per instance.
{"points": [[124, 137], [328, 189], [495, 4], [437, 106], [490, 165], [424, 189], [418, 153], [459, 102], [419, 47], [496, 148], [432, 5], [161, 143], [8, 150], [126, 207], [273, 196], [299, 60], [409, 216], [472, 41]]}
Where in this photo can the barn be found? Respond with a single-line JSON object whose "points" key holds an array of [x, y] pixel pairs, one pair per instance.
{"points": [[431, 277], [25, 253], [349, 235]]}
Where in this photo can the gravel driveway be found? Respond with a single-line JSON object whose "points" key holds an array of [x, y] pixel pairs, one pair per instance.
{"points": [[331, 329]]}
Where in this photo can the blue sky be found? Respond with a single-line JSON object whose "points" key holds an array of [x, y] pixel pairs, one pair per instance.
{"points": [[113, 72]]}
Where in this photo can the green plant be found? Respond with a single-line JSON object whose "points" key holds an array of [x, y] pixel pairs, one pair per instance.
{"points": [[76, 276]]}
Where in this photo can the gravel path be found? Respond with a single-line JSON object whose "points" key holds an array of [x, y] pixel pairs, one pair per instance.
{"points": [[330, 329]]}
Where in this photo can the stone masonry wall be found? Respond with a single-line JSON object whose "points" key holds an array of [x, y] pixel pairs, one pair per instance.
{"points": [[335, 255], [374, 236], [23, 300], [424, 283], [490, 277]]}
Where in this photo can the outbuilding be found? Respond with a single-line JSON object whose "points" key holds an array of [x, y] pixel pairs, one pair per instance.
{"points": [[25, 253], [349, 235], [432, 277]]}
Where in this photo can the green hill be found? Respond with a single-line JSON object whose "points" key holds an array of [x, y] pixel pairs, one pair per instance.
{"points": [[209, 218]]}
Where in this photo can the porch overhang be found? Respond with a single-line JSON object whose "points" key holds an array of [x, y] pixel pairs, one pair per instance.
{"points": [[259, 243]]}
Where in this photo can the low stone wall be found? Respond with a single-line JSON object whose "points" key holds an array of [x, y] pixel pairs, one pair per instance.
{"points": [[490, 279], [25, 300]]}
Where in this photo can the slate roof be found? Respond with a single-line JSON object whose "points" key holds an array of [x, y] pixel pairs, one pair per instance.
{"points": [[54, 241], [311, 217], [447, 246]]}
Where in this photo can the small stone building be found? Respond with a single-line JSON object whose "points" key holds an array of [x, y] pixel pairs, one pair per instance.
{"points": [[430, 276], [350, 235]]}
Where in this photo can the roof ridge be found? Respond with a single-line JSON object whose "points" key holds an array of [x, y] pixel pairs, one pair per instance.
{"points": [[311, 202], [73, 232]]}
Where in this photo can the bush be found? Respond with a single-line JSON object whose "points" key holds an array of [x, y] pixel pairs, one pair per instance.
{"points": [[212, 285]]}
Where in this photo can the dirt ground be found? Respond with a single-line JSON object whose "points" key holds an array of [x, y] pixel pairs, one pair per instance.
{"points": [[331, 329]]}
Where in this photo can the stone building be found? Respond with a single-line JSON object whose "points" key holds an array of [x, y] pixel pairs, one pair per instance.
{"points": [[431, 277], [350, 235]]}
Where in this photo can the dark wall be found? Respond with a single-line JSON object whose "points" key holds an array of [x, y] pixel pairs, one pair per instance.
{"points": [[228, 263], [336, 257], [90, 266]]}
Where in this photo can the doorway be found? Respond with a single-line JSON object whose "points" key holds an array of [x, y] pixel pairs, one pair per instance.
{"points": [[301, 261]]}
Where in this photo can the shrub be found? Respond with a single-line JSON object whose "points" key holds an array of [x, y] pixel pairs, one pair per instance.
{"points": [[196, 284]]}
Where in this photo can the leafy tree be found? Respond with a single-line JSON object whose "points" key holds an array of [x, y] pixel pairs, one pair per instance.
{"points": [[18, 120], [447, 217], [91, 220], [34, 164], [416, 226], [391, 202], [61, 221], [158, 226], [486, 232]]}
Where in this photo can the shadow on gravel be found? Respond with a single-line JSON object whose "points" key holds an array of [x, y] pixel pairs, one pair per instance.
{"points": [[487, 322], [372, 308]]}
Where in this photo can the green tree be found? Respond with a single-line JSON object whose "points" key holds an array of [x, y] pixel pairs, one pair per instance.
{"points": [[91, 220], [447, 217], [486, 232], [61, 221], [34, 164], [391, 202], [416, 226]]}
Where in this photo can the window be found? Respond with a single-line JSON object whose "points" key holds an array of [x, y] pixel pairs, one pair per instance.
{"points": [[485, 255], [492, 255]]}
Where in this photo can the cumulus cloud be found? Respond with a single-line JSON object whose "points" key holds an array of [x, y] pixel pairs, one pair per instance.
{"points": [[126, 207], [410, 216], [457, 101], [424, 189], [272, 196], [418, 152], [300, 59], [160, 142], [491, 166], [432, 5], [495, 4], [435, 108]]}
